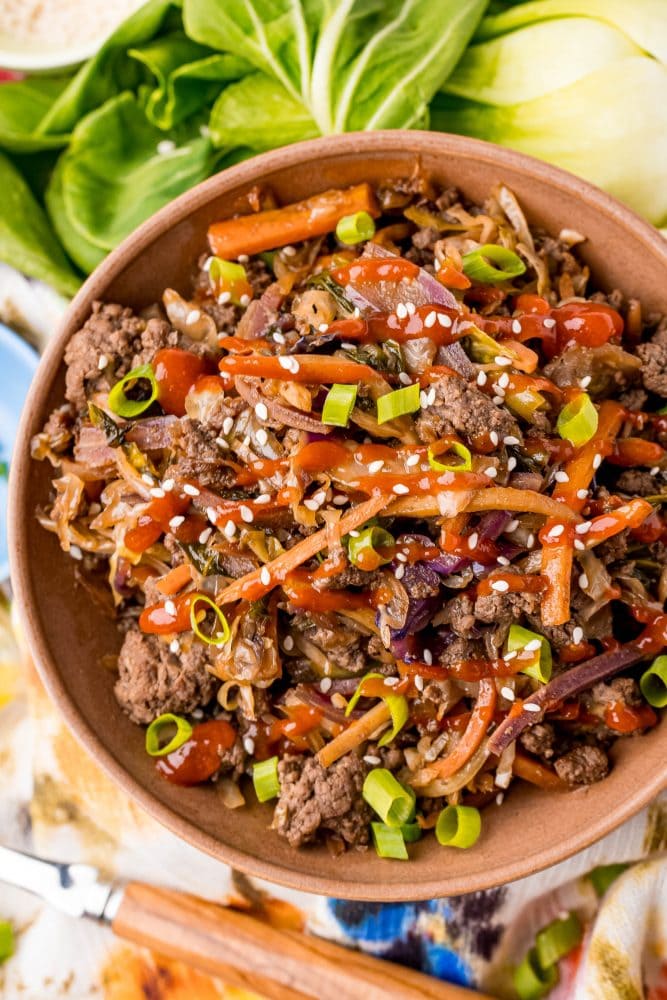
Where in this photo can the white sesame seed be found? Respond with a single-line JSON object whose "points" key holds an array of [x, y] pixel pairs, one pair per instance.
{"points": [[412, 460], [399, 572], [401, 310], [227, 425], [249, 745], [510, 439], [288, 643], [157, 492], [582, 494], [176, 522], [491, 472], [168, 485], [503, 561], [165, 146], [285, 362], [192, 317], [191, 491], [289, 251], [224, 298], [493, 438], [211, 514], [402, 557], [263, 498], [502, 586], [243, 258], [472, 540], [501, 360], [561, 477], [357, 312], [583, 581], [311, 504], [372, 760], [262, 436], [444, 319], [585, 381], [353, 533], [481, 378], [507, 693], [147, 479], [170, 608], [579, 545], [221, 443], [246, 514], [532, 707], [75, 552], [174, 646], [430, 319], [577, 634], [391, 681], [419, 682], [103, 362], [512, 525], [278, 337], [404, 378], [530, 541], [500, 797], [597, 461], [498, 400], [583, 528], [229, 529], [511, 655], [401, 489], [549, 323], [655, 470], [557, 531], [411, 307], [325, 684], [511, 463], [261, 411], [323, 327], [428, 657], [375, 466], [205, 535], [340, 500], [533, 646], [265, 576], [423, 400], [244, 300], [516, 326], [503, 381]]}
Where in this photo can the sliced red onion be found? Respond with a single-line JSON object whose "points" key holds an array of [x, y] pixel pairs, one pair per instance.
{"points": [[566, 685], [261, 313], [279, 412], [492, 524]]}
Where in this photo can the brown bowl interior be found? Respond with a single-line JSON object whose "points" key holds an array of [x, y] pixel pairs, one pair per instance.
{"points": [[68, 635]]}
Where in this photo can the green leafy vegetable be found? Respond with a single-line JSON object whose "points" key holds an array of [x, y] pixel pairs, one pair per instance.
{"points": [[259, 112], [27, 240], [23, 106]]}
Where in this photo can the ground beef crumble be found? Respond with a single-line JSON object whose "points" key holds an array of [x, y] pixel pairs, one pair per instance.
{"points": [[460, 408]]}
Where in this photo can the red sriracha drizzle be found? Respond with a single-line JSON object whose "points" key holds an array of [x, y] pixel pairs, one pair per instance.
{"points": [[373, 270], [199, 757], [176, 372]]}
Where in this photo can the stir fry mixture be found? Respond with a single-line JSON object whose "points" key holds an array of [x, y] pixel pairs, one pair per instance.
{"points": [[378, 511]]}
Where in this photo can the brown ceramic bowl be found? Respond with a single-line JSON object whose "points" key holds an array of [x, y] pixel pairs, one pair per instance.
{"points": [[68, 635]]}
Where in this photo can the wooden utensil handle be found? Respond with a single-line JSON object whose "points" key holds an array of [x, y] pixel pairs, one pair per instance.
{"points": [[246, 953]]}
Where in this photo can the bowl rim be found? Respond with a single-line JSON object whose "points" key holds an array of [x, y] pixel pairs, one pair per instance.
{"points": [[387, 142]]}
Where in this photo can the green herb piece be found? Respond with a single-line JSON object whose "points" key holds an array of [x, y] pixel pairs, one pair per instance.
{"points": [[653, 683], [399, 709], [397, 403], [458, 826], [339, 405], [492, 264], [393, 803], [222, 633], [465, 465], [557, 939], [532, 982], [124, 405], [114, 434], [389, 842], [205, 560], [520, 639], [325, 281], [412, 832], [578, 420], [155, 734], [362, 549], [265, 779], [357, 228]]}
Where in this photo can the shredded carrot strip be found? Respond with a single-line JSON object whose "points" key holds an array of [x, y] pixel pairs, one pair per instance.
{"points": [[509, 498], [308, 368], [356, 733], [175, 580], [481, 717], [557, 568], [581, 469], [252, 586], [278, 227], [534, 772], [630, 515]]}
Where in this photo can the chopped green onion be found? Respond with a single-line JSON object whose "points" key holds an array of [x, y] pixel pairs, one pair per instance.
{"points": [[653, 683], [6, 940], [339, 405], [412, 832], [398, 706], [605, 875], [265, 779], [389, 842], [532, 982], [397, 403], [458, 826], [557, 940], [355, 228], [480, 264], [518, 638], [363, 548], [225, 271], [222, 634], [465, 465], [154, 747], [120, 402], [393, 803], [578, 420], [360, 690]]}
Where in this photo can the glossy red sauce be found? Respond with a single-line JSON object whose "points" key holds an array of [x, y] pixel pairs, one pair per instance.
{"points": [[199, 758], [653, 639], [388, 326], [373, 270], [630, 451], [653, 529], [626, 719], [484, 551], [157, 620], [298, 587], [517, 583], [176, 372], [154, 521], [301, 720], [547, 538], [452, 277], [589, 324]]}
